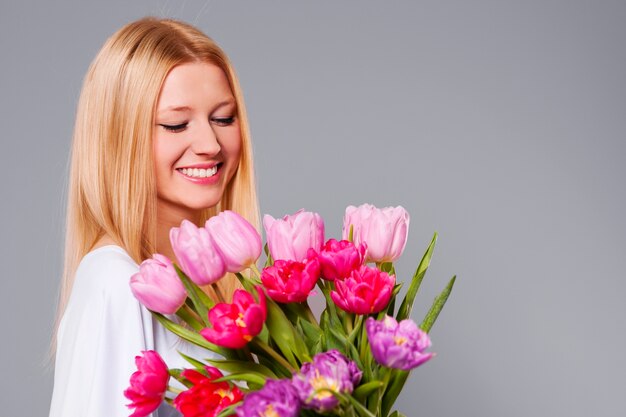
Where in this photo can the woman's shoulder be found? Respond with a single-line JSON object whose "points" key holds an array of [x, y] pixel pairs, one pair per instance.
{"points": [[105, 268]]}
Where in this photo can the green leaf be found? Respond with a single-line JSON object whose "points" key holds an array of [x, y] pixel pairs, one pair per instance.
{"points": [[247, 284], [330, 340], [269, 261], [244, 376], [311, 333], [188, 335], [200, 300], [282, 332], [407, 303], [177, 375], [388, 268], [230, 410], [393, 390], [196, 363], [353, 353], [397, 414], [360, 409], [438, 304], [234, 366], [392, 303], [366, 389], [189, 316]]}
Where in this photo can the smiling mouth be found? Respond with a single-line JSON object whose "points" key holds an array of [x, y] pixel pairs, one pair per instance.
{"points": [[200, 172]]}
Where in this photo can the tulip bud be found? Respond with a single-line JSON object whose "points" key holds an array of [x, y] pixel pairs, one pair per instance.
{"points": [[384, 230], [157, 285], [236, 239], [196, 254], [291, 237]]}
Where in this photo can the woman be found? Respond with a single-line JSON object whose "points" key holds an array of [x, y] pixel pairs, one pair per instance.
{"points": [[161, 135]]}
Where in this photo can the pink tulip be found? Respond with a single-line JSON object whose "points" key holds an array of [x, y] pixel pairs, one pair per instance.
{"points": [[367, 290], [157, 285], [148, 384], [234, 325], [384, 230], [237, 240], [196, 254], [290, 281], [339, 259], [291, 237]]}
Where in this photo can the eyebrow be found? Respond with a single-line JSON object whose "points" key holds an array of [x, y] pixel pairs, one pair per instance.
{"points": [[187, 108], [177, 108]]}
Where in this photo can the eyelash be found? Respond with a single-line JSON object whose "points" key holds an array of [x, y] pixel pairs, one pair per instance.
{"points": [[220, 121]]}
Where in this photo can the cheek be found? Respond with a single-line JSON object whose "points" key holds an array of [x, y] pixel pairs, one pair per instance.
{"points": [[232, 146], [165, 153]]}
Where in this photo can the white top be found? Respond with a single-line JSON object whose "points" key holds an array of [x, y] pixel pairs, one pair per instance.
{"points": [[102, 330]]}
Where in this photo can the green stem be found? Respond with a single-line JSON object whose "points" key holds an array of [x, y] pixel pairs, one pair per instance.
{"points": [[309, 313], [381, 392], [218, 293], [275, 355], [190, 317], [356, 329], [256, 271], [174, 390], [363, 345]]}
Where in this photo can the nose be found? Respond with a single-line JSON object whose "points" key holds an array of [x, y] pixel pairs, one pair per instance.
{"points": [[205, 141]]}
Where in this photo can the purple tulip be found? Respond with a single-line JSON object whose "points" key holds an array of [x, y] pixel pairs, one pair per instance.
{"points": [[236, 239], [157, 285], [196, 254], [291, 237], [329, 371], [397, 345], [384, 230], [278, 398]]}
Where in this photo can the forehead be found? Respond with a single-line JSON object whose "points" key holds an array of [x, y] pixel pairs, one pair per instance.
{"points": [[194, 85]]}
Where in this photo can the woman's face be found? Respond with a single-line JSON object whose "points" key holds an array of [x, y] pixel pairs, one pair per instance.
{"points": [[197, 139]]}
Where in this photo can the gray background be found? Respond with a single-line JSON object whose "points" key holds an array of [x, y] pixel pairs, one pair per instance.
{"points": [[498, 124]]}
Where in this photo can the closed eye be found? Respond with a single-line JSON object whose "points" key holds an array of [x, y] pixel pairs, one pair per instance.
{"points": [[174, 128], [223, 121]]}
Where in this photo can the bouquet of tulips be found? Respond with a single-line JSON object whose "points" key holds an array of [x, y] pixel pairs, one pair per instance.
{"points": [[276, 359]]}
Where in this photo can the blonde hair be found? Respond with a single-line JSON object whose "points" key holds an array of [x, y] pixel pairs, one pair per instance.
{"points": [[112, 190]]}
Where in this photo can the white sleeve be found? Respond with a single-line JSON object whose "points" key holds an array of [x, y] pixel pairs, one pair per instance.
{"points": [[103, 328]]}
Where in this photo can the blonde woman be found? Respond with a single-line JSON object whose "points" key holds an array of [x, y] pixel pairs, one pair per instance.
{"points": [[160, 136]]}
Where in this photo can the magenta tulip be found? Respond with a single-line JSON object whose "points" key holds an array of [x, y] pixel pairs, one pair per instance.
{"points": [[290, 281], [196, 254], [291, 237], [236, 239], [157, 285], [367, 290], [148, 384], [339, 259], [384, 230], [235, 324]]}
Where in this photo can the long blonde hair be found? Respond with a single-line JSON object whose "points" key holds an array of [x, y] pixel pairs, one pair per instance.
{"points": [[112, 190]]}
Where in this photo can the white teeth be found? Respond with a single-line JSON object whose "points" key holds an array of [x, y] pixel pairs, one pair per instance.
{"points": [[199, 172]]}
